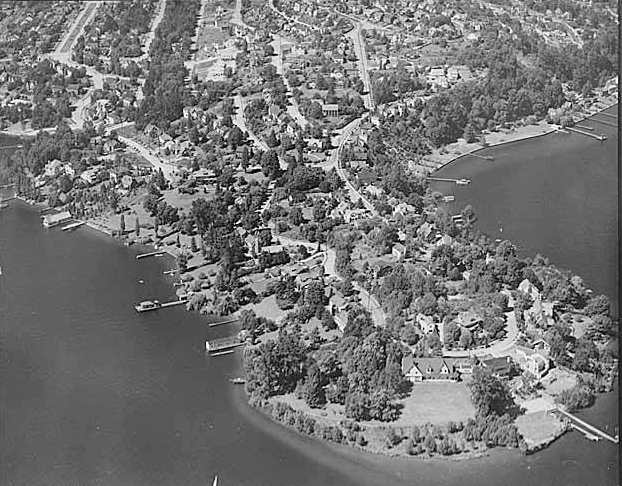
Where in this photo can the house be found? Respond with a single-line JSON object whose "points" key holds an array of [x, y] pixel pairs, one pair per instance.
{"points": [[110, 145], [469, 320], [128, 182], [330, 109], [403, 209], [526, 287], [540, 315], [117, 173], [152, 131], [535, 362], [399, 251], [428, 325], [53, 168], [499, 367], [352, 215], [417, 370], [374, 191], [89, 176], [425, 230], [164, 138], [444, 240]]}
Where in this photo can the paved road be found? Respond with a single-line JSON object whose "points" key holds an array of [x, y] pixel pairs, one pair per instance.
{"points": [[361, 54], [153, 159], [154, 25]]}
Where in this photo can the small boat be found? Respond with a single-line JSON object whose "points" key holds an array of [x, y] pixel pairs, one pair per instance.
{"points": [[147, 305], [238, 381], [463, 182], [141, 281], [4, 205], [215, 483]]}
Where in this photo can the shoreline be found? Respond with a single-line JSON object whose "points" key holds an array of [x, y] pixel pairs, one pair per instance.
{"points": [[516, 134], [266, 410]]}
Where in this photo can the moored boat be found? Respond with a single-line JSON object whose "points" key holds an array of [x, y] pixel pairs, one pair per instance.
{"points": [[147, 305]]}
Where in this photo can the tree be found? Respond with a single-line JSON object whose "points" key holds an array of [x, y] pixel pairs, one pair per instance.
{"points": [[357, 406], [137, 227], [489, 395], [585, 351], [122, 224], [598, 305], [313, 389]]}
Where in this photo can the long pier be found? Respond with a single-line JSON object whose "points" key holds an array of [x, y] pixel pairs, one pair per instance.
{"points": [[153, 253], [6, 186], [224, 321], [11, 147], [589, 427], [593, 135], [609, 115], [73, 225], [173, 303], [591, 129], [442, 179]]}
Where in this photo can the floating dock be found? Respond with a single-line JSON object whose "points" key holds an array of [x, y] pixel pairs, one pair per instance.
{"points": [[591, 129], [485, 157], [593, 135], [153, 253], [213, 346], [169, 272], [73, 225]]}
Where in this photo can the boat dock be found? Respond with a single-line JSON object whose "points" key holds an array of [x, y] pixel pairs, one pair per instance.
{"points": [[462, 182], [6, 186], [224, 321], [611, 115], [591, 129], [153, 253], [169, 272], [586, 428], [173, 303], [485, 157], [73, 225], [213, 346], [593, 135]]}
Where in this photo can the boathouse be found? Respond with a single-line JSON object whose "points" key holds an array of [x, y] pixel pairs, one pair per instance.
{"points": [[51, 220]]}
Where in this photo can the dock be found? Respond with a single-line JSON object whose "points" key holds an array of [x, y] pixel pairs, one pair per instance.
{"points": [[462, 182], [6, 186], [485, 157], [591, 129], [169, 272], [213, 346], [173, 303], [153, 253], [609, 115], [590, 428], [593, 135], [587, 434], [73, 225], [224, 321]]}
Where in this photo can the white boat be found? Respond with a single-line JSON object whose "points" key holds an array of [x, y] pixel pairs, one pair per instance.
{"points": [[215, 483]]}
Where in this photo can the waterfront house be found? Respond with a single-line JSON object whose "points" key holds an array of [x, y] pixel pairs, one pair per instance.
{"points": [[51, 220], [535, 362], [529, 289], [417, 370]]}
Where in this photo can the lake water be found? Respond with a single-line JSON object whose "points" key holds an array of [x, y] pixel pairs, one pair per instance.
{"points": [[92, 393], [556, 195]]}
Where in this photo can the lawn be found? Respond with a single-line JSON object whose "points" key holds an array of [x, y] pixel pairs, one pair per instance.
{"points": [[538, 427], [436, 403]]}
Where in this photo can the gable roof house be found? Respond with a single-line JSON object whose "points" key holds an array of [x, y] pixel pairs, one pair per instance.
{"points": [[417, 370]]}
